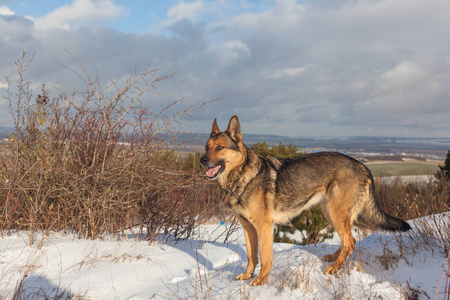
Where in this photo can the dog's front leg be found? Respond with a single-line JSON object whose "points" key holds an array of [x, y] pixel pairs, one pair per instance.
{"points": [[251, 245], [265, 236]]}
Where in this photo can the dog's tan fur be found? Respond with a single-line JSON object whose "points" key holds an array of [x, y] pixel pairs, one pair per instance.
{"points": [[265, 191]]}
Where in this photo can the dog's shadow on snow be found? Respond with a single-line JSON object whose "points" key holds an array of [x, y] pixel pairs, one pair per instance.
{"points": [[206, 256], [39, 287], [308, 255], [235, 260], [195, 248]]}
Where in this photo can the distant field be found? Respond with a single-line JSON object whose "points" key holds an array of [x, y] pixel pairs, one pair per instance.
{"points": [[402, 168]]}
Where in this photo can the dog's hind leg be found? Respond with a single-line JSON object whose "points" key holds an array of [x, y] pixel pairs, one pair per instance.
{"points": [[341, 223], [338, 206], [251, 245], [326, 214]]}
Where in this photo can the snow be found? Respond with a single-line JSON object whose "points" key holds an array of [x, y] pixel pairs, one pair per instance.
{"points": [[383, 266], [408, 179]]}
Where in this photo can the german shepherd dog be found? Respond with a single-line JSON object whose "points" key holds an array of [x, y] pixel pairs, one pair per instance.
{"points": [[263, 191]]}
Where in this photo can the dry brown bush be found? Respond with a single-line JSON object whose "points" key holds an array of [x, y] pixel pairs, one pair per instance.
{"points": [[425, 203], [96, 162], [413, 200]]}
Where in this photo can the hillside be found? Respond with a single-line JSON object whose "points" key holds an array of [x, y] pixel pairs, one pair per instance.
{"points": [[383, 266]]}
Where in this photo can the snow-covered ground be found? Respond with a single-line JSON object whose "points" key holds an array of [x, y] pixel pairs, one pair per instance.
{"points": [[383, 266], [407, 179]]}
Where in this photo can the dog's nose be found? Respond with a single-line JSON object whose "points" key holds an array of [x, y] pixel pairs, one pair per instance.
{"points": [[204, 160]]}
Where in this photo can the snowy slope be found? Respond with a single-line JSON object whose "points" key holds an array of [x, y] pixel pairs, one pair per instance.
{"points": [[384, 266]]}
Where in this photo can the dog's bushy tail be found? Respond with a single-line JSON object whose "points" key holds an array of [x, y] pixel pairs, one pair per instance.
{"points": [[391, 223], [376, 218]]}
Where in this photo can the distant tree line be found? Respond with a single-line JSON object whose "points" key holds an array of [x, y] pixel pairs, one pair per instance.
{"points": [[280, 150]]}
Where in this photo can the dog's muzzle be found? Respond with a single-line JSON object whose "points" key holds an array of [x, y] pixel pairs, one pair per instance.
{"points": [[214, 170]]}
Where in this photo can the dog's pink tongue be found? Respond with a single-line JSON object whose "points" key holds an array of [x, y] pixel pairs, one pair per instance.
{"points": [[212, 171]]}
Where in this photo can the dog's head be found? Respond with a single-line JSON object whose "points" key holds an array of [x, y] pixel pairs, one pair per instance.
{"points": [[224, 151]]}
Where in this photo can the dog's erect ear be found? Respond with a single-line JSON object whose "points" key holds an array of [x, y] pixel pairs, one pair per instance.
{"points": [[215, 129], [234, 129]]}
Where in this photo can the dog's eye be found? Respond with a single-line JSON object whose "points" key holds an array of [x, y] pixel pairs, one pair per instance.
{"points": [[206, 148], [220, 147]]}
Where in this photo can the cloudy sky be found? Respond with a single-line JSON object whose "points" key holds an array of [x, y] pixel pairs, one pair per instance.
{"points": [[295, 68]]}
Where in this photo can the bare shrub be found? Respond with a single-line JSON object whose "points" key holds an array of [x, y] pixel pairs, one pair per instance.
{"points": [[413, 200], [426, 203], [98, 161]]}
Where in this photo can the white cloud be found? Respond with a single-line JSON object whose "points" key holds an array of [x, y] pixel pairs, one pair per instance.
{"points": [[407, 94], [403, 77], [228, 53], [184, 10], [6, 11], [79, 12], [288, 72], [238, 46]]}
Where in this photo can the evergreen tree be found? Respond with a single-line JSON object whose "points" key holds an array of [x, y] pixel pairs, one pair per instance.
{"points": [[280, 150], [261, 148], [445, 169], [443, 180]]}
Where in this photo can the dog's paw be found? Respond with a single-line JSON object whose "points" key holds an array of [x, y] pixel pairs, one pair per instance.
{"points": [[243, 276], [332, 269], [259, 280]]}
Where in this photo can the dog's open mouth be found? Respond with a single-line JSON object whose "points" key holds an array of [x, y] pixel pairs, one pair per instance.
{"points": [[212, 173]]}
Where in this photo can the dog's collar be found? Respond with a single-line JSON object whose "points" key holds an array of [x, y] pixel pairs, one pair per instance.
{"points": [[226, 198]]}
